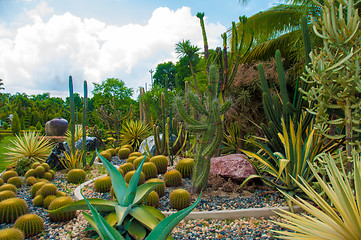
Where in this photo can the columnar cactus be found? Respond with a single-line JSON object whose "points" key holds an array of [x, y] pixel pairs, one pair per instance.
{"points": [[208, 132]]}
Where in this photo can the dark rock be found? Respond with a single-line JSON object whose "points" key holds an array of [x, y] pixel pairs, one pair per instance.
{"points": [[56, 153], [151, 144], [56, 127], [91, 143], [235, 166]]}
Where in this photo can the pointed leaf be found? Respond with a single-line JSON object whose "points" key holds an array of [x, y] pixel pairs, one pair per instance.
{"points": [[121, 213], [100, 204], [143, 191], [144, 216], [136, 229]]}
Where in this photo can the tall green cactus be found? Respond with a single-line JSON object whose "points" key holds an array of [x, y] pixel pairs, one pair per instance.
{"points": [[72, 122], [208, 130], [85, 107]]}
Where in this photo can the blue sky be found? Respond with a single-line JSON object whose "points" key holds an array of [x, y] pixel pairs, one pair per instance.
{"points": [[43, 42]]}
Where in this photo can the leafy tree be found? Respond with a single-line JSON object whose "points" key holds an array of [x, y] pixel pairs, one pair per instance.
{"points": [[165, 70], [1, 84], [15, 124]]}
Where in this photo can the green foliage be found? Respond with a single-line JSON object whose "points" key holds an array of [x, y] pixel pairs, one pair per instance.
{"points": [[161, 162], [9, 187], [133, 133], [76, 176], [15, 124], [72, 160], [23, 165], [173, 178], [150, 170], [11, 209], [103, 184], [30, 224], [180, 199], [16, 181], [61, 216], [11, 234], [8, 174], [38, 126], [6, 194], [5, 126], [185, 167], [165, 75]]}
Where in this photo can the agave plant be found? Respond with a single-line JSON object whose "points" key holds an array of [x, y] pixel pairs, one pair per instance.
{"points": [[339, 219], [127, 216], [31, 146], [134, 132], [72, 160], [78, 134]]}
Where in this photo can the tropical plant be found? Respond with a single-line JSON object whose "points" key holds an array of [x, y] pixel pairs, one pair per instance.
{"points": [[31, 146], [15, 124], [78, 134], [231, 139], [133, 133], [127, 216], [338, 219], [71, 160]]}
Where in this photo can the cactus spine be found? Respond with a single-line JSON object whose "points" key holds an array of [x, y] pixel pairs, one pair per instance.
{"points": [[209, 132]]}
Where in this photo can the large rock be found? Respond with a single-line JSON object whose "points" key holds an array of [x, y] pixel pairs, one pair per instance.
{"points": [[234, 166], [56, 153], [91, 143], [56, 127], [151, 144]]}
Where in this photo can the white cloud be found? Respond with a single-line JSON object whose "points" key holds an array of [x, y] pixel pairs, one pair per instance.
{"points": [[40, 56]]}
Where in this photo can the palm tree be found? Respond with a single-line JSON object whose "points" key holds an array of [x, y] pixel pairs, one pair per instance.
{"points": [[1, 84], [185, 49]]}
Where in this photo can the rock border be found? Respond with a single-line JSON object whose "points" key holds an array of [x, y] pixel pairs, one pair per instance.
{"points": [[220, 215]]}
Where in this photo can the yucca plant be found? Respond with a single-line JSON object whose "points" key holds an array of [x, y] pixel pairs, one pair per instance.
{"points": [[31, 146], [339, 219], [78, 134], [231, 139], [134, 132], [72, 160]]}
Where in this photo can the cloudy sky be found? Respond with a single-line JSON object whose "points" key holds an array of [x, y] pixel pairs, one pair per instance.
{"points": [[43, 42]]}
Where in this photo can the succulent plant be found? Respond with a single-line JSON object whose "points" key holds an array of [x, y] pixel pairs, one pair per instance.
{"points": [[16, 181], [30, 224], [30, 181], [11, 209], [121, 171], [11, 234], [131, 159], [52, 172], [123, 153], [152, 199], [48, 200], [61, 194], [47, 189], [138, 160], [36, 187], [76, 176], [106, 155], [150, 170], [1, 182], [161, 162], [135, 154], [103, 184], [61, 216], [112, 151], [128, 146], [48, 176], [35, 164], [159, 189], [7, 186], [6, 195], [173, 178], [126, 167], [38, 201], [42, 180], [180, 199], [39, 171], [46, 166], [129, 175], [8, 174], [29, 173], [185, 167]]}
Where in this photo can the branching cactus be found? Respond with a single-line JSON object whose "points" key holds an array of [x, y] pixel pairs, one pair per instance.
{"points": [[208, 130], [334, 71]]}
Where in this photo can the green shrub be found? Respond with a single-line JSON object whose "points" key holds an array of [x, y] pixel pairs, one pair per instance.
{"points": [[38, 126], [15, 124], [5, 126]]}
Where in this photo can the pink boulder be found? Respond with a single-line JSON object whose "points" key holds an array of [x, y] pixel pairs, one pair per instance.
{"points": [[234, 166]]}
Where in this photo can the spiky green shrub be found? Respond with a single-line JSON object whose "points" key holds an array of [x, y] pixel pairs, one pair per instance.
{"points": [[152, 199], [106, 155], [30, 224], [29, 173], [61, 216], [48, 176], [11, 234], [47, 189], [160, 189], [123, 153], [129, 175], [38, 201], [134, 132], [16, 181], [11, 209], [161, 162], [179, 199], [150, 170], [47, 201], [8, 174], [135, 154], [128, 146], [39, 171], [35, 164], [173, 178], [76, 176], [36, 187], [185, 167], [46, 166], [7, 186], [30, 181], [6, 195], [138, 160], [126, 167], [103, 184], [131, 159]]}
